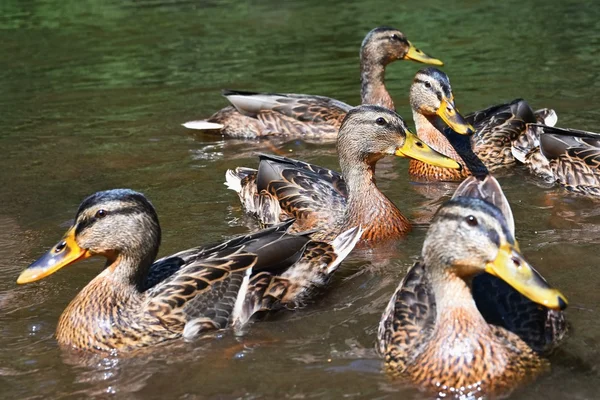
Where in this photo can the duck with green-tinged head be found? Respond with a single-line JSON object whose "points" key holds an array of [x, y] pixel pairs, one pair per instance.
{"points": [[472, 317], [137, 302]]}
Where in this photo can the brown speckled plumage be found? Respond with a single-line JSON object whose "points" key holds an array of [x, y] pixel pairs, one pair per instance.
{"points": [[323, 200], [491, 358], [567, 156], [137, 302], [454, 331], [254, 115]]}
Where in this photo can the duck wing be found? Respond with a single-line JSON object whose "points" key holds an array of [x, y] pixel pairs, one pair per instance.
{"points": [[289, 114], [502, 120], [497, 127], [294, 286], [302, 107], [408, 319], [211, 281], [284, 188], [315, 196], [575, 160], [555, 142], [571, 157]]}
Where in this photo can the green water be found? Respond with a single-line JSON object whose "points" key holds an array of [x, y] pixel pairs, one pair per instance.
{"points": [[92, 94]]}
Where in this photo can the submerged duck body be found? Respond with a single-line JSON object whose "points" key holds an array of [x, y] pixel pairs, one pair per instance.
{"points": [[136, 301], [326, 201], [466, 320], [490, 134], [255, 115]]}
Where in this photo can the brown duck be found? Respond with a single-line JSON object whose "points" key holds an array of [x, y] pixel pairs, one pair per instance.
{"points": [[326, 201], [491, 133], [255, 115], [472, 317], [136, 301]]}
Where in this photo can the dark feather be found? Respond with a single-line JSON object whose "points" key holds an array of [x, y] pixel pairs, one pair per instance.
{"points": [[568, 156], [303, 191], [555, 142], [541, 328], [496, 128], [239, 253], [409, 317]]}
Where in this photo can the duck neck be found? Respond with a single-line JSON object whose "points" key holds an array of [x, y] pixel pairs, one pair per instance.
{"points": [[459, 148], [129, 270], [372, 82], [368, 206], [454, 301], [461, 339], [429, 130], [360, 179]]}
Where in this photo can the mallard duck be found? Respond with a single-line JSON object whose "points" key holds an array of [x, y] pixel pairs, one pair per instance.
{"points": [[136, 301], [325, 201], [567, 156], [255, 115], [490, 132], [472, 317]]}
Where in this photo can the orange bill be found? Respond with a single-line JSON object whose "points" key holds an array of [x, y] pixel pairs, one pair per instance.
{"points": [[65, 252]]}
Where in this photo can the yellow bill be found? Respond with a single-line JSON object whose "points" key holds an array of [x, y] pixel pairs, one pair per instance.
{"points": [[511, 267], [417, 55], [62, 254], [450, 115], [414, 147]]}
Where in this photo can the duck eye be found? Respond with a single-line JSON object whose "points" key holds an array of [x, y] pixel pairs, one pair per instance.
{"points": [[428, 85], [395, 37], [471, 220], [380, 121], [59, 247], [101, 213]]}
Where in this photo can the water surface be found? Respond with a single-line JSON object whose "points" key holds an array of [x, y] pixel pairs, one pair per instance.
{"points": [[92, 94]]}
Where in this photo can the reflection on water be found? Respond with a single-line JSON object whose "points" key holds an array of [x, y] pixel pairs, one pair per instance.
{"points": [[93, 95]]}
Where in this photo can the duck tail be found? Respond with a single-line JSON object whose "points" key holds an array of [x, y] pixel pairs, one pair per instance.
{"points": [[233, 181], [234, 177], [203, 125], [546, 116], [343, 244]]}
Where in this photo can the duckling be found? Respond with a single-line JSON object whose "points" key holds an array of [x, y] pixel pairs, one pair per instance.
{"points": [[568, 157], [326, 201], [490, 133], [137, 302], [254, 115], [446, 328]]}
